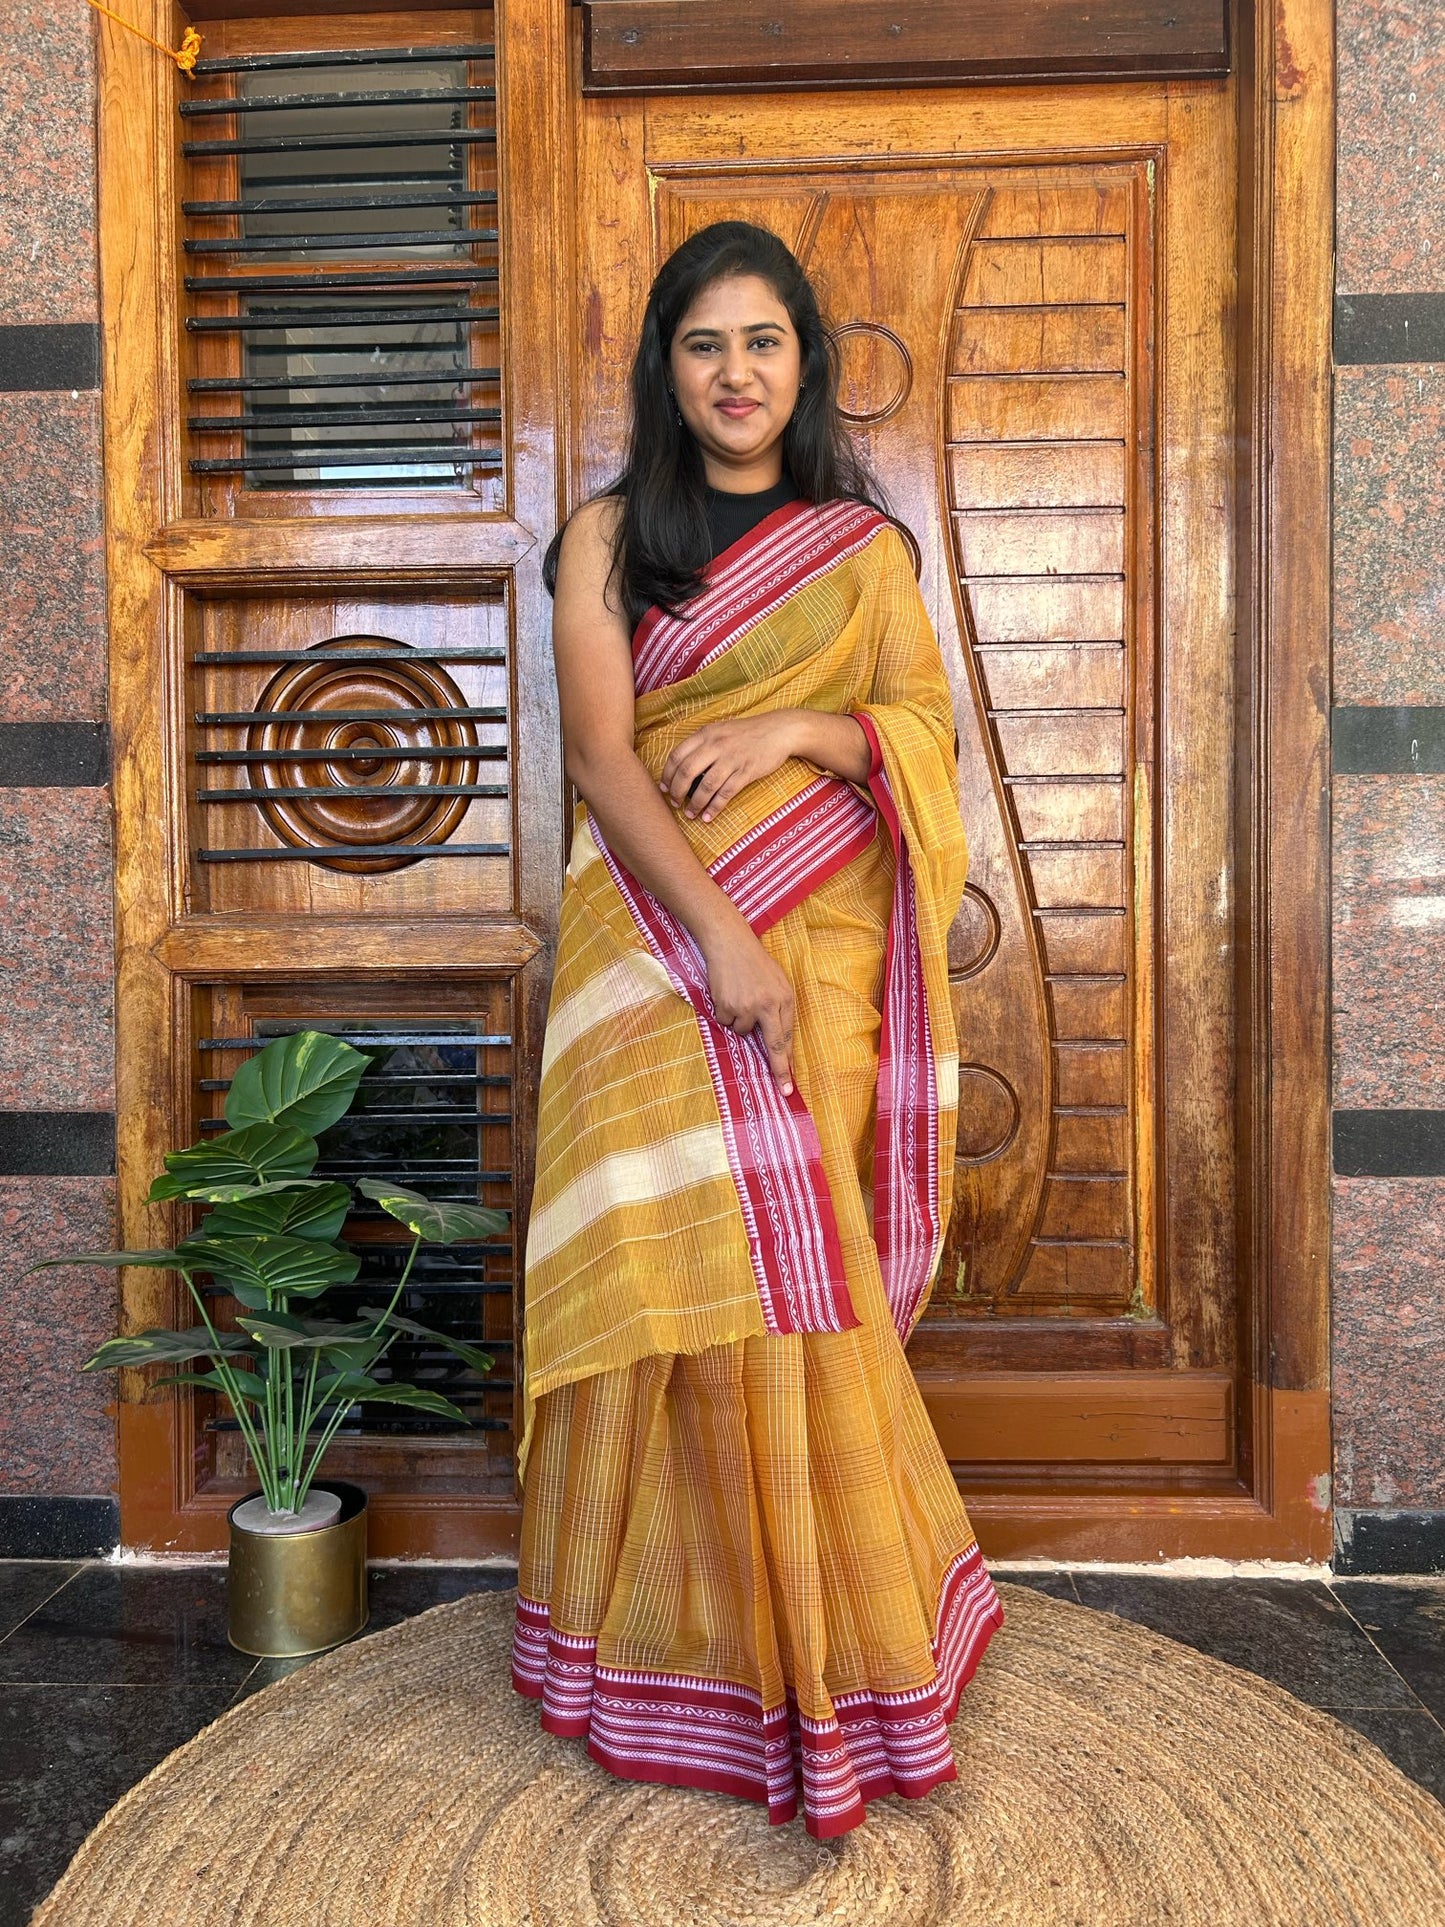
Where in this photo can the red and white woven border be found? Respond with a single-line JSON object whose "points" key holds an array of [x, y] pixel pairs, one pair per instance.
{"points": [[786, 551], [791, 853], [906, 1222], [772, 1143], [718, 1736]]}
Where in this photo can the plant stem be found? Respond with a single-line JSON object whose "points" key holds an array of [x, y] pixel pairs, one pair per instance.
{"points": [[303, 1430], [239, 1405], [273, 1425], [292, 1449], [400, 1284], [332, 1426]]}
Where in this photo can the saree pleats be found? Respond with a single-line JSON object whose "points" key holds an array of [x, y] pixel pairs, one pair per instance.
{"points": [[745, 1563], [747, 1567]]}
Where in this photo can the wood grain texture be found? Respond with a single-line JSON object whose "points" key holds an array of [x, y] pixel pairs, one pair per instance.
{"points": [[1082, 1418], [1085, 450], [1286, 258], [1145, 793], [198, 567], [639, 46]]}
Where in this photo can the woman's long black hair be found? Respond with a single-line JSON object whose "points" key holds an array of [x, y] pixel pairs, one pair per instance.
{"points": [[662, 545]]}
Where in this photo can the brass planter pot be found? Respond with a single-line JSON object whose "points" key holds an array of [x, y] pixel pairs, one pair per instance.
{"points": [[301, 1592]]}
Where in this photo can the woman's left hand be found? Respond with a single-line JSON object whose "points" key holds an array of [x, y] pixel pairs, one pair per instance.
{"points": [[707, 769]]}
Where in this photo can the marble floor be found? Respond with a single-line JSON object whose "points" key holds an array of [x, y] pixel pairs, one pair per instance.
{"points": [[105, 1668]]}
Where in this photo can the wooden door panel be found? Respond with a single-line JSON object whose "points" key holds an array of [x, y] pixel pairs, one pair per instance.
{"points": [[355, 721], [1072, 1420], [1012, 333], [1030, 339], [905, 262]]}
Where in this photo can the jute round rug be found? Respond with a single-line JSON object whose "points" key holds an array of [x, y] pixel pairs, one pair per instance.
{"points": [[1107, 1778]]}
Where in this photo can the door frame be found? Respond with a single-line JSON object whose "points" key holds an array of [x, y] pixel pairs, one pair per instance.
{"points": [[1285, 51]]}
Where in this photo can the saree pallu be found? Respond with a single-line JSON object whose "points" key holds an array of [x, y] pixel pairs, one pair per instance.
{"points": [[745, 1564]]}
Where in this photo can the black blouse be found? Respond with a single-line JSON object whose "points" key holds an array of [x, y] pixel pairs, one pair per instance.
{"points": [[730, 516]]}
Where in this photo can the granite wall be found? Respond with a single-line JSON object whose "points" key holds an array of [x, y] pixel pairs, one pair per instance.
{"points": [[57, 1451], [1389, 788], [57, 1466]]}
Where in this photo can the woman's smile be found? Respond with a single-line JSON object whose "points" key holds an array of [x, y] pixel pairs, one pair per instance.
{"points": [[735, 364]]}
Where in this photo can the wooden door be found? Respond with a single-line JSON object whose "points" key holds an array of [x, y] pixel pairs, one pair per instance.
{"points": [[331, 478], [1034, 297], [352, 385]]}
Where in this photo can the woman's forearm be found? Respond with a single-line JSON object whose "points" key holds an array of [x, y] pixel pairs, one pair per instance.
{"points": [[835, 743], [643, 832]]}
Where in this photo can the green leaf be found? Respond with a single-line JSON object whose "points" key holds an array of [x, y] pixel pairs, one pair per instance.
{"points": [[354, 1387], [355, 1354], [306, 1081], [443, 1224], [305, 1209], [274, 1267], [282, 1332], [156, 1260], [478, 1360], [159, 1347], [256, 1155], [245, 1382], [232, 1193]]}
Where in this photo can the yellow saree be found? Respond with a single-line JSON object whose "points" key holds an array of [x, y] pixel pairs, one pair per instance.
{"points": [[745, 1565]]}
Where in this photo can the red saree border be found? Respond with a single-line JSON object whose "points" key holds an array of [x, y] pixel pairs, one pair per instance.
{"points": [[907, 1223], [773, 1149], [787, 550], [680, 1730], [794, 851]]}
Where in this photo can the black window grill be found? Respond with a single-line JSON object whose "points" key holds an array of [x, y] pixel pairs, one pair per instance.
{"points": [[342, 270], [433, 1112]]}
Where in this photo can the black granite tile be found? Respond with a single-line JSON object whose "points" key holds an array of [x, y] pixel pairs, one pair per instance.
{"points": [[73, 1144], [40, 1526], [70, 1752], [1378, 328], [49, 355], [129, 1626], [1389, 1144], [54, 755], [1389, 1541], [1379, 740], [26, 1584], [399, 1592], [1058, 1585], [266, 1672], [1407, 1623], [1289, 1631], [1415, 1742]]}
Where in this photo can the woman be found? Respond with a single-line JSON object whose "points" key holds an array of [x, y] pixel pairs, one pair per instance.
{"points": [[745, 1565]]}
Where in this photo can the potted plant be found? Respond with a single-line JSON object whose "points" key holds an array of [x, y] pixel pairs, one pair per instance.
{"points": [[271, 1239]]}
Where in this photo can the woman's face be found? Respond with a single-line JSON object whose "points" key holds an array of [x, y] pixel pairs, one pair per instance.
{"points": [[736, 366]]}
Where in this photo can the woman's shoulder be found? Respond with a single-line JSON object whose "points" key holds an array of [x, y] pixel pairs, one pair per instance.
{"points": [[871, 533], [587, 546], [595, 522]]}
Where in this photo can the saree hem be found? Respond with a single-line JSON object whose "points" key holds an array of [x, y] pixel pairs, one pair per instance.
{"points": [[680, 1729]]}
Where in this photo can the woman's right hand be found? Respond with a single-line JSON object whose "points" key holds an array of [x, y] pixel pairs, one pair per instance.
{"points": [[751, 992]]}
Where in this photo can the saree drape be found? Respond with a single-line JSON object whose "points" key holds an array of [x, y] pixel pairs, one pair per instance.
{"points": [[745, 1564]]}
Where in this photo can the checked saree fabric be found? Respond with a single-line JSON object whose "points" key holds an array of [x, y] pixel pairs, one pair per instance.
{"points": [[745, 1564]]}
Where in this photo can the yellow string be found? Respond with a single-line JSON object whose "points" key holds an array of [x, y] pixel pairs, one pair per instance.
{"points": [[185, 58]]}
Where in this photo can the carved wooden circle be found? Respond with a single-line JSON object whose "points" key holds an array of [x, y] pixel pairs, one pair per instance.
{"points": [[988, 1113], [348, 808], [973, 938], [875, 372]]}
